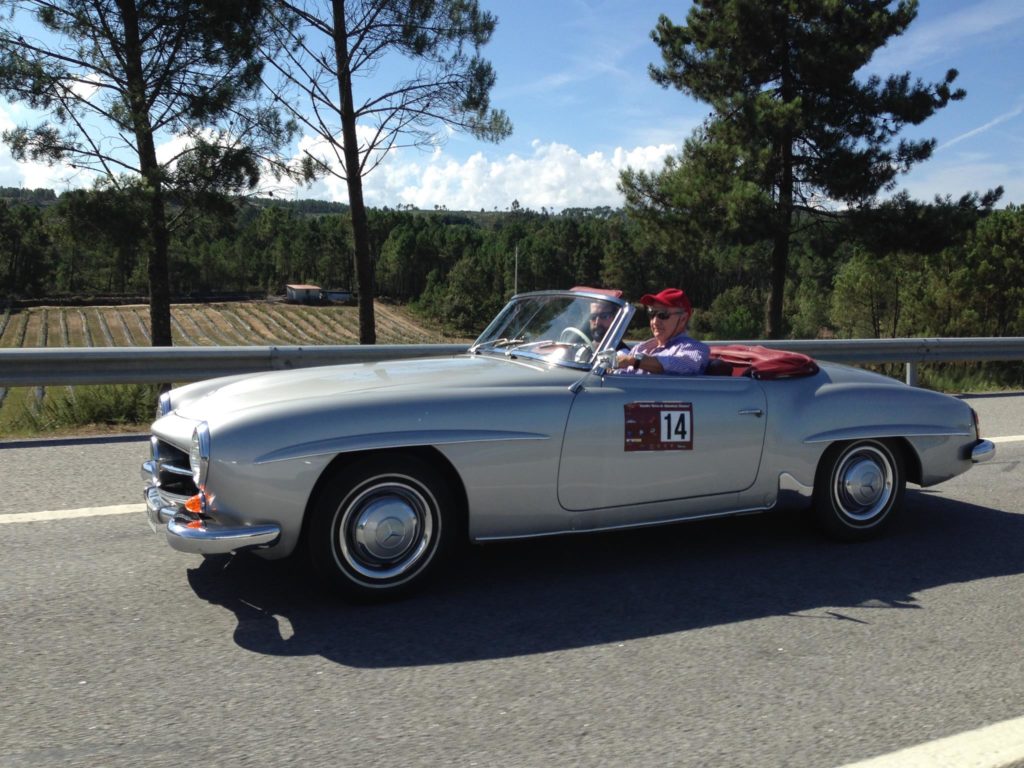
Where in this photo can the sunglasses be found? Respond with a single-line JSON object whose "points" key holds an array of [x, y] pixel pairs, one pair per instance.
{"points": [[663, 314], [601, 315]]}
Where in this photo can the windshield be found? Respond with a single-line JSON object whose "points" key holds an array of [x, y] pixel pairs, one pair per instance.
{"points": [[561, 327]]}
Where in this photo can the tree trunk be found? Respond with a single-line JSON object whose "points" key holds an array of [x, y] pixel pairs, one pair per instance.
{"points": [[354, 179], [784, 206], [780, 258], [159, 274], [159, 270], [780, 255], [14, 263]]}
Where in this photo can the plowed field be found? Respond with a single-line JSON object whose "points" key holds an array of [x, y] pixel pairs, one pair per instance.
{"points": [[257, 323]]}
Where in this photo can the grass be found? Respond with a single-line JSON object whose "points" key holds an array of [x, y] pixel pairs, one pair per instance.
{"points": [[60, 410], [974, 377], [105, 408]]}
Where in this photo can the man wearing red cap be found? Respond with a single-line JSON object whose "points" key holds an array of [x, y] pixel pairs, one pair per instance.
{"points": [[671, 350]]}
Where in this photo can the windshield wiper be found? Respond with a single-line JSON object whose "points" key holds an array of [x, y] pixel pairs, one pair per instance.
{"points": [[496, 344]]}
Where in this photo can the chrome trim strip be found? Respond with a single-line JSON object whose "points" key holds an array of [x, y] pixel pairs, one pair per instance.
{"points": [[983, 450], [629, 526], [393, 440], [165, 462], [201, 445], [891, 430], [793, 493]]}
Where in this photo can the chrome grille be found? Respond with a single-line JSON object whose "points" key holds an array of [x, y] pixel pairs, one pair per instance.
{"points": [[174, 473]]}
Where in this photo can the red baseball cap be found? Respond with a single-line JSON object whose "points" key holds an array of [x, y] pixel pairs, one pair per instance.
{"points": [[670, 297]]}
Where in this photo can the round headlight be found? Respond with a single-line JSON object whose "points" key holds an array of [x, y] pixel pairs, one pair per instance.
{"points": [[199, 454]]}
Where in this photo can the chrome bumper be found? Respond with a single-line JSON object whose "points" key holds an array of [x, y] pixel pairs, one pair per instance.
{"points": [[983, 450], [187, 533]]}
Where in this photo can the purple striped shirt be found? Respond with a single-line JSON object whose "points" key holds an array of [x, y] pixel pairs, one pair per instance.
{"points": [[681, 355]]}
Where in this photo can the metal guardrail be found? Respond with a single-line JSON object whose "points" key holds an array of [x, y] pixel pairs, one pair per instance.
{"points": [[141, 365], [154, 365], [911, 352]]}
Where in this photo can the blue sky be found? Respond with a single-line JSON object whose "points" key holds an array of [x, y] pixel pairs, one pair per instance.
{"points": [[572, 75]]}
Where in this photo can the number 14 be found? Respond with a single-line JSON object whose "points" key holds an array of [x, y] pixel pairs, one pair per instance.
{"points": [[675, 426]]}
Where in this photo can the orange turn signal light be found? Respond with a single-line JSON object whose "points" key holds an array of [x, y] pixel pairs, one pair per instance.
{"points": [[194, 505]]}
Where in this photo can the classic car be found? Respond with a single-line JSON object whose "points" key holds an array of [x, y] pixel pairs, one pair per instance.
{"points": [[376, 471]]}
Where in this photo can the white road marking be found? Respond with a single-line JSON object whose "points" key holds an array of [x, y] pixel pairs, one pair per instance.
{"points": [[69, 514], [994, 746], [1007, 439]]}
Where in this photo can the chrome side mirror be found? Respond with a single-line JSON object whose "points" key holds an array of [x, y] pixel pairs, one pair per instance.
{"points": [[604, 361]]}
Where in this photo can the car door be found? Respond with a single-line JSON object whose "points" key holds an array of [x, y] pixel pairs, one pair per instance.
{"points": [[639, 439]]}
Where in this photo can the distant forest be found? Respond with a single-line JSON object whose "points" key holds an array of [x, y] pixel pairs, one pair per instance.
{"points": [[912, 269]]}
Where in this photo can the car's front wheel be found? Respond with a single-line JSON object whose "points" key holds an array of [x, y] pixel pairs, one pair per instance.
{"points": [[381, 526], [859, 488]]}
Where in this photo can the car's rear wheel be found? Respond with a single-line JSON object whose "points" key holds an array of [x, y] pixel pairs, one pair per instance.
{"points": [[381, 526], [859, 488]]}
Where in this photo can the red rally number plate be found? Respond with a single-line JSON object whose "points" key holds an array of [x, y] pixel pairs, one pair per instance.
{"points": [[659, 427]]}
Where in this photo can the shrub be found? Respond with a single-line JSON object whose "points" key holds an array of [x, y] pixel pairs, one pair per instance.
{"points": [[71, 407]]}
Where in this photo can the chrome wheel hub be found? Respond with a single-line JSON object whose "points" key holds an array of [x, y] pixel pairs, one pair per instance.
{"points": [[386, 529], [863, 484]]}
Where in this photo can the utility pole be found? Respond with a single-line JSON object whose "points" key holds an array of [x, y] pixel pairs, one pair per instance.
{"points": [[515, 279]]}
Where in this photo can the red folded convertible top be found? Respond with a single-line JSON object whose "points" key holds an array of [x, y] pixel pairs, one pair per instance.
{"points": [[606, 291], [760, 362]]}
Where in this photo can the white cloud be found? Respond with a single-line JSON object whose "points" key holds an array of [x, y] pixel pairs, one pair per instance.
{"points": [[41, 176], [331, 186], [87, 87], [32, 175], [553, 176], [171, 147]]}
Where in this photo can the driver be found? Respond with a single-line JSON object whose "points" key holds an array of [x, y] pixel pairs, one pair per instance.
{"points": [[671, 350], [601, 315], [599, 321]]}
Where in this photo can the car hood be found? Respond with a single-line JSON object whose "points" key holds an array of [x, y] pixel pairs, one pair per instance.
{"points": [[380, 380]]}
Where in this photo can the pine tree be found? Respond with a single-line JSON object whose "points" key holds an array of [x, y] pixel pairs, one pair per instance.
{"points": [[335, 46], [794, 127], [116, 77]]}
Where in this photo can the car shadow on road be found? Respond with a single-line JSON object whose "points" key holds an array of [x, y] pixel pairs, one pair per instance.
{"points": [[506, 600]]}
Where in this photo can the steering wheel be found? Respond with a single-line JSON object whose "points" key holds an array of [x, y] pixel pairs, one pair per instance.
{"points": [[569, 331]]}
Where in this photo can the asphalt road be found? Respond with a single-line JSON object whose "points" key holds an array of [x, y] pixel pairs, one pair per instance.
{"points": [[743, 642]]}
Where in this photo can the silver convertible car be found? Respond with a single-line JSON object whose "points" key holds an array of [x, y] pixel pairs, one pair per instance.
{"points": [[377, 471]]}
